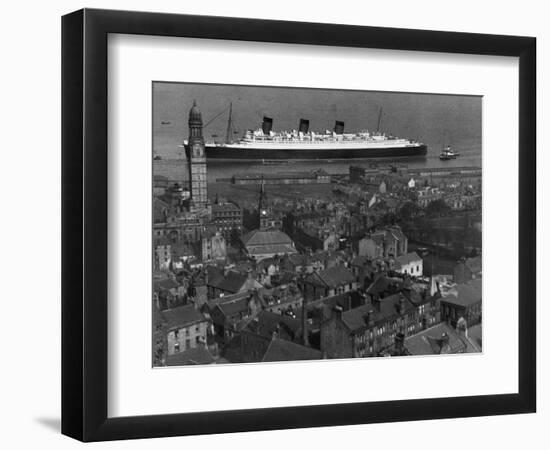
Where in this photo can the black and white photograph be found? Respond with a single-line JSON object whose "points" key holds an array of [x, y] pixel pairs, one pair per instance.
{"points": [[294, 224], [275, 225]]}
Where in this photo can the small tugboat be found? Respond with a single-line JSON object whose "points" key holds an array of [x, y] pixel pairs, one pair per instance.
{"points": [[448, 153]]}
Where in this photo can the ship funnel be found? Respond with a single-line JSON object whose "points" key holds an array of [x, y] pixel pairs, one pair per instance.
{"points": [[304, 126], [339, 127], [267, 124]]}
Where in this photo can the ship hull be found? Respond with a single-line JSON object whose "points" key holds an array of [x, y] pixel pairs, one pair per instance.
{"points": [[251, 153]]}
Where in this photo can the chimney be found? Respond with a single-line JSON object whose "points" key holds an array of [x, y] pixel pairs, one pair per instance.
{"points": [[443, 342], [267, 124], [462, 327], [339, 127], [401, 304], [156, 299], [399, 343], [369, 318], [338, 310], [304, 126], [275, 333], [376, 302], [434, 286], [305, 331]]}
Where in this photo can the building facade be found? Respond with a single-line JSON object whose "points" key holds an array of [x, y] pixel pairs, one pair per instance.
{"points": [[463, 301], [186, 328], [228, 218], [410, 264]]}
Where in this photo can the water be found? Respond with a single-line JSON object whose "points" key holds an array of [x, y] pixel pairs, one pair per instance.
{"points": [[434, 119]]}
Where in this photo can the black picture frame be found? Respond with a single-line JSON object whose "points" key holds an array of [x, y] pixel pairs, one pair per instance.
{"points": [[84, 224]]}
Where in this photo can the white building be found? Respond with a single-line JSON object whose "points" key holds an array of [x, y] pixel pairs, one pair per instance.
{"points": [[410, 263]]}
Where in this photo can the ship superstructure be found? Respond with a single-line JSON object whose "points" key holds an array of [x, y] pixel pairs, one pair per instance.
{"points": [[266, 144]]}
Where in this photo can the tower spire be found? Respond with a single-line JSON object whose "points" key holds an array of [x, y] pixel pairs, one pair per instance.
{"points": [[263, 209]]}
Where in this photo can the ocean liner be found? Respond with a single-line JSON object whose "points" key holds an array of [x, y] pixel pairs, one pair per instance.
{"points": [[268, 145]]}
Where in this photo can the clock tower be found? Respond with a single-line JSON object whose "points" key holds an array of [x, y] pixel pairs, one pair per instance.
{"points": [[196, 159]]}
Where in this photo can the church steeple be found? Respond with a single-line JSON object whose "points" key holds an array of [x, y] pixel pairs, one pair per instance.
{"points": [[263, 208]]}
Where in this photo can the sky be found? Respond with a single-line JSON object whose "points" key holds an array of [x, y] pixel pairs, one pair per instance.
{"points": [[434, 119]]}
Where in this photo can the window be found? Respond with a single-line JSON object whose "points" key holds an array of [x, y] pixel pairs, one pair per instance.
{"points": [[176, 347]]}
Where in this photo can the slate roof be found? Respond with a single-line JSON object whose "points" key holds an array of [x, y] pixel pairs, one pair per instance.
{"points": [[232, 282], [197, 355], [266, 323], [261, 237], [332, 277], [213, 273], [276, 249], [222, 207], [393, 232], [233, 307], [383, 283], [182, 316], [439, 339], [408, 258], [355, 319], [283, 350], [397, 233], [167, 284], [413, 295], [465, 294], [344, 300], [228, 298], [298, 259]]}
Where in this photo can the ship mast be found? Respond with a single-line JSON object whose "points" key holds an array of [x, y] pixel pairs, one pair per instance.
{"points": [[229, 132], [379, 120]]}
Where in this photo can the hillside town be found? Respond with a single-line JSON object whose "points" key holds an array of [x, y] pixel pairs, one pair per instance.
{"points": [[384, 260]]}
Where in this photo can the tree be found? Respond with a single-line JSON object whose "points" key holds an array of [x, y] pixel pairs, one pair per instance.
{"points": [[437, 208], [408, 211]]}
